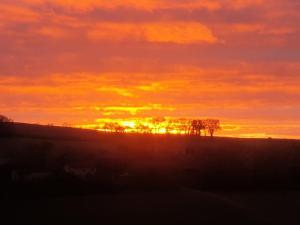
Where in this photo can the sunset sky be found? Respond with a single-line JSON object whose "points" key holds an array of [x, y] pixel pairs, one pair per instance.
{"points": [[75, 62]]}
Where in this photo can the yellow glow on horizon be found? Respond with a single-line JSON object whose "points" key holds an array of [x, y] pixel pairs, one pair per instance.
{"points": [[158, 125], [130, 124]]}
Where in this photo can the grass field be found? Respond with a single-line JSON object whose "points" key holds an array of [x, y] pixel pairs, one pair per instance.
{"points": [[76, 176]]}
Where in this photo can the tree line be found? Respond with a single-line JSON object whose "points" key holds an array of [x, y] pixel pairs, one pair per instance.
{"points": [[197, 127]]}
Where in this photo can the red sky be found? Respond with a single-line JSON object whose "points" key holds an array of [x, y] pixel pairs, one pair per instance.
{"points": [[79, 61]]}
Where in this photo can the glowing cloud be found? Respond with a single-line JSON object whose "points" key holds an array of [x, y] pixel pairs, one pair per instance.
{"points": [[141, 4], [180, 33]]}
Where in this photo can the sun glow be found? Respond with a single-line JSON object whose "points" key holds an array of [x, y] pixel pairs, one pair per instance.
{"points": [[159, 125]]}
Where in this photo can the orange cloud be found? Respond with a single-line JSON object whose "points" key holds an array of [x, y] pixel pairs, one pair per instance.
{"points": [[133, 110], [176, 32], [245, 3], [52, 32], [118, 90], [14, 13], [179, 33], [140, 4], [150, 4], [261, 28], [248, 27]]}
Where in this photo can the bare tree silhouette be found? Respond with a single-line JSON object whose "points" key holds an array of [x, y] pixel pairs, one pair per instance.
{"points": [[211, 125], [119, 129], [4, 119], [184, 125], [7, 128], [141, 128], [196, 127], [157, 123]]}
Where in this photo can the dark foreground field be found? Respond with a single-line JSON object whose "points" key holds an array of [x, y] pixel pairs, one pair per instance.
{"points": [[168, 207], [53, 175]]}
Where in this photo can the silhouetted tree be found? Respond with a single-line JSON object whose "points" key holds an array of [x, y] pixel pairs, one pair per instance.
{"points": [[4, 119], [197, 126], [184, 125], [141, 128], [109, 127], [157, 123], [7, 128], [113, 127], [211, 125], [118, 128], [170, 126]]}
